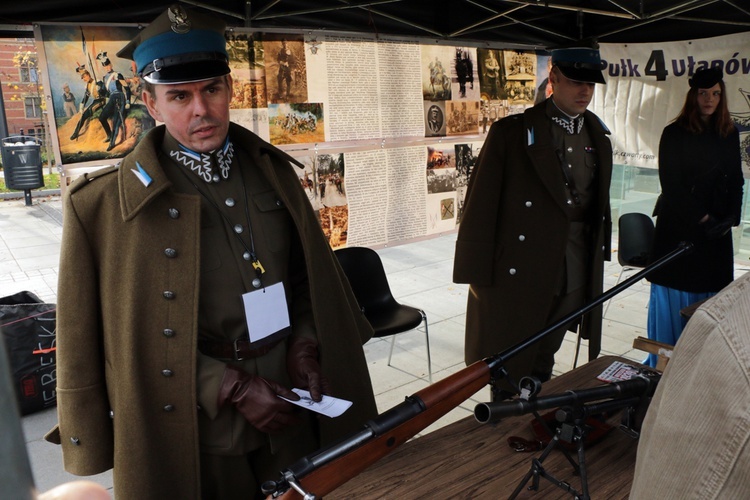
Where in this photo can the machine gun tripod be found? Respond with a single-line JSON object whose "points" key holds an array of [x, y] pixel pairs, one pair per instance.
{"points": [[576, 407]]}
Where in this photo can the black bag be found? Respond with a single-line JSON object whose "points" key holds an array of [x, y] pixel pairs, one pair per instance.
{"points": [[28, 328]]}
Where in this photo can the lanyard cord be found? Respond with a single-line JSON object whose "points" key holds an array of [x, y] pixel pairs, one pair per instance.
{"points": [[249, 252]]}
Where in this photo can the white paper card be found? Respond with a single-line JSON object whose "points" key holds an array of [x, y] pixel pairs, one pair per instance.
{"points": [[328, 406], [617, 372], [266, 311]]}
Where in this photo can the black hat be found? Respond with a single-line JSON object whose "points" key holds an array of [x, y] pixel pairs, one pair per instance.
{"points": [[706, 78], [581, 64], [179, 46], [102, 56]]}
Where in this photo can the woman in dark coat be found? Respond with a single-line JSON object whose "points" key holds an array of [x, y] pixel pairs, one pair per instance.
{"points": [[701, 182]]}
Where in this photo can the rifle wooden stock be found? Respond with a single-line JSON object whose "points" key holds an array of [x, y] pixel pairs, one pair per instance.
{"points": [[435, 400]]}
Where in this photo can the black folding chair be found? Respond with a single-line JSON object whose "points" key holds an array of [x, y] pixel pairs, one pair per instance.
{"points": [[368, 280]]}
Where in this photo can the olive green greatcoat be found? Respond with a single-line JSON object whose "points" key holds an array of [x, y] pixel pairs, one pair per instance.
{"points": [[118, 332], [514, 230]]}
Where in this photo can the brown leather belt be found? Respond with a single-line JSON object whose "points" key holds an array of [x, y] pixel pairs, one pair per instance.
{"points": [[237, 350]]}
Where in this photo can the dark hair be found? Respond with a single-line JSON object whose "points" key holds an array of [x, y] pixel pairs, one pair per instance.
{"points": [[148, 87], [690, 116]]}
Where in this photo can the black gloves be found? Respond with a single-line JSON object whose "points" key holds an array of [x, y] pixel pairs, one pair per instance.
{"points": [[714, 229], [256, 398], [303, 367]]}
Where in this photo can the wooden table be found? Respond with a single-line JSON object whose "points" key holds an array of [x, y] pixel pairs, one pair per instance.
{"points": [[467, 459]]}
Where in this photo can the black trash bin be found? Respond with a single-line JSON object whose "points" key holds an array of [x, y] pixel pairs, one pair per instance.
{"points": [[22, 164]]}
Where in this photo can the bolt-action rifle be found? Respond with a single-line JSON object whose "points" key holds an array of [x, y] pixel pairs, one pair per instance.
{"points": [[325, 470]]}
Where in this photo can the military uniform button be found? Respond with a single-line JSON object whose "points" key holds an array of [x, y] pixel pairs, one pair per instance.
{"points": [[238, 228], [75, 441], [174, 213], [167, 373], [229, 202], [168, 408], [528, 204], [521, 237], [216, 178], [169, 295], [168, 332], [512, 271], [278, 203], [170, 253], [247, 256], [570, 149]]}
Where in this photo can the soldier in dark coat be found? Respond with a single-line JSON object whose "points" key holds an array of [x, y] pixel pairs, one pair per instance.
{"points": [[196, 287], [536, 226]]}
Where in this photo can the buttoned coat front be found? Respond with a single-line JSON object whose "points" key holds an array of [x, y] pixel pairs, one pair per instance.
{"points": [[699, 174], [514, 230], [127, 322]]}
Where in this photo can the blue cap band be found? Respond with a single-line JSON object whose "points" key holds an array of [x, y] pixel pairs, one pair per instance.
{"points": [[170, 43]]}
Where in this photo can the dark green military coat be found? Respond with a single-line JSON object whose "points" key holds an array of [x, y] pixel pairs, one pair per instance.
{"points": [[127, 311], [513, 235]]}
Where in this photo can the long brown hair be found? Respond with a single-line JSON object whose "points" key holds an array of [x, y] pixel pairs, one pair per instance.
{"points": [[690, 116]]}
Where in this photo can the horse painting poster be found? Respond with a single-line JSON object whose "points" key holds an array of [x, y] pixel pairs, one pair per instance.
{"points": [[98, 114]]}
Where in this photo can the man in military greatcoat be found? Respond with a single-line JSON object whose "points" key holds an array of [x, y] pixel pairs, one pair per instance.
{"points": [[196, 289], [536, 225]]}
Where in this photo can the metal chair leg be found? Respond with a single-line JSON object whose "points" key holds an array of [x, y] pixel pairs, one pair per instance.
{"points": [[619, 277], [427, 342], [393, 343], [578, 349]]}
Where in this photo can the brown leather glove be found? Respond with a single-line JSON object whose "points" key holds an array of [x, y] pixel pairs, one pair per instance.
{"points": [[304, 369], [256, 399]]}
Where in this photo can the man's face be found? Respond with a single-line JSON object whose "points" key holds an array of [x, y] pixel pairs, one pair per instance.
{"points": [[196, 114], [572, 97]]}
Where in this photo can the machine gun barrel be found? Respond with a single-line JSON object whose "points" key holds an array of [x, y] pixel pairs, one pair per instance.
{"points": [[636, 386]]}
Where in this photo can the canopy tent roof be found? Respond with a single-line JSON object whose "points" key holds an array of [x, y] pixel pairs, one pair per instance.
{"points": [[500, 23]]}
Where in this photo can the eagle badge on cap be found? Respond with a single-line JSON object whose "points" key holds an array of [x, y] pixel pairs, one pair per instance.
{"points": [[180, 22]]}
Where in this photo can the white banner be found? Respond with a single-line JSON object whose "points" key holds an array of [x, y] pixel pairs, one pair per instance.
{"points": [[647, 84]]}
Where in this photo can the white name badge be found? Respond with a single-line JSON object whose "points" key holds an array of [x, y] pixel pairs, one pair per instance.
{"points": [[266, 311]]}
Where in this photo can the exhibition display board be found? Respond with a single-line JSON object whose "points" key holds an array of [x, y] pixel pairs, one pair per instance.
{"points": [[388, 129]]}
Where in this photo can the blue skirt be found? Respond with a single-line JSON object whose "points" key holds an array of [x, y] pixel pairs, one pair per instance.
{"points": [[665, 323]]}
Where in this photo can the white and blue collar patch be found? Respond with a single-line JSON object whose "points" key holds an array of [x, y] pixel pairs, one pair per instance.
{"points": [[142, 175]]}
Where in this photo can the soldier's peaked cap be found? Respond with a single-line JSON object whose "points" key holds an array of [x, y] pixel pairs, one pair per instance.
{"points": [[582, 64], [179, 46]]}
